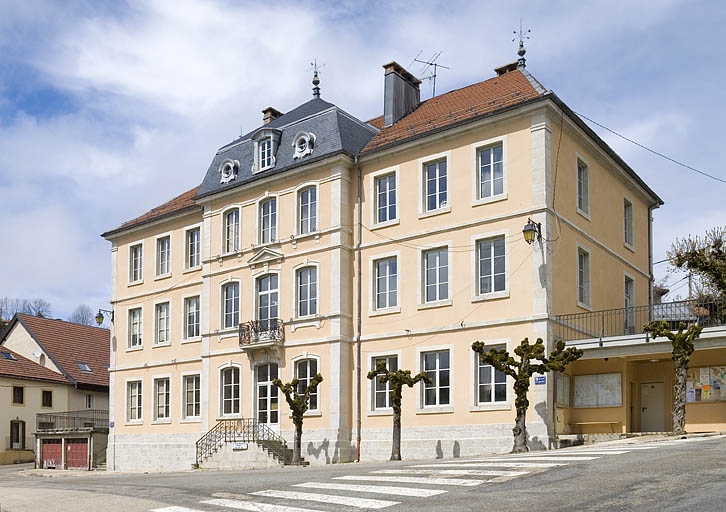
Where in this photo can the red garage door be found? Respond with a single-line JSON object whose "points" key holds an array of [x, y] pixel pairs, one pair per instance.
{"points": [[77, 453], [51, 453]]}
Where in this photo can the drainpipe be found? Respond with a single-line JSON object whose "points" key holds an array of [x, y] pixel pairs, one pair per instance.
{"points": [[650, 258], [358, 313]]}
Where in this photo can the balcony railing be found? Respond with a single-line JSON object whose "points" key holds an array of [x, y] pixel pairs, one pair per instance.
{"points": [[69, 421], [630, 321], [263, 332]]}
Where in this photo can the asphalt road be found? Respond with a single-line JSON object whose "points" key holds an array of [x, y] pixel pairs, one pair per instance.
{"points": [[661, 475]]}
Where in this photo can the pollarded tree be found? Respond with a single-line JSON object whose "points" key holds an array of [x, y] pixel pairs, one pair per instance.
{"points": [[682, 341], [299, 400], [397, 380], [521, 371], [705, 257]]}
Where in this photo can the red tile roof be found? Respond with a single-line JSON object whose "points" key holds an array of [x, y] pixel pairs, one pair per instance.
{"points": [[22, 368], [68, 344], [456, 106], [179, 203]]}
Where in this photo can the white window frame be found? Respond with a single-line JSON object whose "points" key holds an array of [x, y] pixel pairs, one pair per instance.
{"points": [[317, 411], [166, 417], [477, 149], [423, 163], [421, 408], [628, 224], [372, 357], [188, 260], [89, 400], [264, 237], [373, 308], [184, 395], [162, 259], [256, 292], [582, 197], [501, 405], [223, 302], [265, 153], [157, 325], [136, 273], [422, 301], [586, 274], [139, 409], [139, 344], [298, 298], [236, 242], [185, 318], [377, 180], [313, 215], [475, 241], [220, 402]]}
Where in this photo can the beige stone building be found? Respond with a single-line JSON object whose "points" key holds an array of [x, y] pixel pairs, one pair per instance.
{"points": [[322, 243]]}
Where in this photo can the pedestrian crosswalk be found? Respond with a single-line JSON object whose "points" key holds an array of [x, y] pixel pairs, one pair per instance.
{"points": [[385, 488]]}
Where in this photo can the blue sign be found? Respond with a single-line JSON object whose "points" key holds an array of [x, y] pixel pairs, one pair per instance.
{"points": [[110, 424], [540, 379]]}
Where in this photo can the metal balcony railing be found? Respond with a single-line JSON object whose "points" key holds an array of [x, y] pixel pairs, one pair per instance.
{"points": [[69, 421], [270, 331], [630, 321]]}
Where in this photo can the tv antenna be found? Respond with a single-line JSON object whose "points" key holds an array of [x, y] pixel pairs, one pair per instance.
{"points": [[521, 35], [429, 63]]}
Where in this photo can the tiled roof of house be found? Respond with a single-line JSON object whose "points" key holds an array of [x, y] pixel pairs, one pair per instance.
{"points": [[456, 106], [18, 367], [176, 205], [68, 344]]}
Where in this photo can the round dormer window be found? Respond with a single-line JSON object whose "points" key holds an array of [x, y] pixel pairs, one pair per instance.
{"points": [[304, 143], [228, 169]]}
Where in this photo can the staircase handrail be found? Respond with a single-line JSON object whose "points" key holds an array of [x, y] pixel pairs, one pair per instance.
{"points": [[240, 430]]}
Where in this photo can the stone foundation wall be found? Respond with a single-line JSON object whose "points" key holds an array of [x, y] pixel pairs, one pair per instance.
{"points": [[151, 452]]}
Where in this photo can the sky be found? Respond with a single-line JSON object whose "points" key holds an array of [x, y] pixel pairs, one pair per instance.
{"points": [[108, 109]]}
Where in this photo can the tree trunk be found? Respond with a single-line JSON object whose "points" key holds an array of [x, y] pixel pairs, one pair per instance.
{"points": [[396, 447], [679, 400], [520, 431], [298, 443]]}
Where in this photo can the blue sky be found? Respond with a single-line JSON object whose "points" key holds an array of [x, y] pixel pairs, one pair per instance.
{"points": [[108, 109]]}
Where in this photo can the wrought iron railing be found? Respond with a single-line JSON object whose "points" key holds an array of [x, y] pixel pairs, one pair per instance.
{"points": [[242, 430], [90, 419], [258, 331], [630, 321]]}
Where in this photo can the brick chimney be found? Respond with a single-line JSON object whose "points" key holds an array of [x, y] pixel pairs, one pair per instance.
{"points": [[270, 114], [401, 94]]}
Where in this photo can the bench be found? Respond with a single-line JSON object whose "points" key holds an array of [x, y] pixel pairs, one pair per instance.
{"points": [[580, 424]]}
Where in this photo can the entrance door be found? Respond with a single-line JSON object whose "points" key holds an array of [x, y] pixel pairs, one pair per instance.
{"points": [[17, 435], [652, 407], [267, 396]]}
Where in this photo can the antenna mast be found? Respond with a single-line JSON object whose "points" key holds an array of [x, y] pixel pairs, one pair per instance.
{"points": [[429, 63]]}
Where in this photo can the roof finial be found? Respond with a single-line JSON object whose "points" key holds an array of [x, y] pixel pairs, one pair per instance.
{"points": [[521, 62], [316, 80]]}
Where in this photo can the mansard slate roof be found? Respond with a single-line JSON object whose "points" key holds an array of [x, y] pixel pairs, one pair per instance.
{"points": [[21, 368], [68, 344]]}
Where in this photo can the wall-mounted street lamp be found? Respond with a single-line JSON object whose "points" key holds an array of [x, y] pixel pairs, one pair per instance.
{"points": [[532, 231], [101, 313]]}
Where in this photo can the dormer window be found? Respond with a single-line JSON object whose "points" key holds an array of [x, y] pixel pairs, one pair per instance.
{"points": [[266, 142], [228, 170], [265, 153], [304, 142]]}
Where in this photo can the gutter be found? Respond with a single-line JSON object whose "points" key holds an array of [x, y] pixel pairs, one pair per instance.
{"points": [[358, 313]]}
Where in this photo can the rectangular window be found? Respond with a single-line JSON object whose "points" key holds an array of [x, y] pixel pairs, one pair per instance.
{"points": [[89, 400], [230, 297], [163, 256], [194, 248], [265, 148], [386, 283], [629, 305], [436, 366], [386, 198], [491, 171], [162, 323], [161, 399], [492, 265], [436, 274], [133, 400], [267, 302], [134, 328], [135, 263], [307, 291], [562, 384], [435, 193], [47, 398], [191, 317], [628, 222], [192, 396], [306, 370], [491, 383], [268, 221], [18, 395], [308, 210], [231, 231], [583, 187], [583, 277], [382, 392], [230, 391]]}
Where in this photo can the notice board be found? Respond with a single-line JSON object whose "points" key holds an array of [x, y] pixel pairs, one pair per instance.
{"points": [[601, 390]]}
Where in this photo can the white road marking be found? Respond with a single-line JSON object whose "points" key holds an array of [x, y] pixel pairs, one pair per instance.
{"points": [[537, 458], [494, 465], [376, 489], [176, 509], [327, 498], [254, 507], [589, 452], [453, 472], [460, 482]]}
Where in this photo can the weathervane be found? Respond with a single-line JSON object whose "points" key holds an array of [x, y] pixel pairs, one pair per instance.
{"points": [[316, 81], [521, 35], [429, 63]]}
